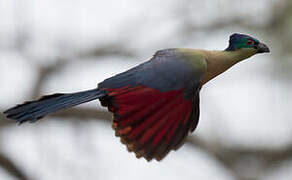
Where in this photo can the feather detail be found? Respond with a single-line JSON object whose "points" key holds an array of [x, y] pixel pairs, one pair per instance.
{"points": [[150, 122]]}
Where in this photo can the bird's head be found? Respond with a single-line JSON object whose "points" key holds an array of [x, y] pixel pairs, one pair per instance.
{"points": [[247, 43]]}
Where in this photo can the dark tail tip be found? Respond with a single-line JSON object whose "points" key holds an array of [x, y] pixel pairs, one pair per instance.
{"points": [[31, 111], [18, 117]]}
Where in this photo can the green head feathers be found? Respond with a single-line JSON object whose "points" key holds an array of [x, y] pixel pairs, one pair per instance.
{"points": [[239, 41]]}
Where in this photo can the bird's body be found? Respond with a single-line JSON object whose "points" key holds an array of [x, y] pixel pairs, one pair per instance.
{"points": [[155, 104]]}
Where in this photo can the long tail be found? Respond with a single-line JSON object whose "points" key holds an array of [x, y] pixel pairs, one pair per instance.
{"points": [[33, 110]]}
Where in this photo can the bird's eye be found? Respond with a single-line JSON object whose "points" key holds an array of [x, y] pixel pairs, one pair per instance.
{"points": [[250, 42]]}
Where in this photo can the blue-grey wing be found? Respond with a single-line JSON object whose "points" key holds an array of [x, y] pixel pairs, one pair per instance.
{"points": [[167, 70]]}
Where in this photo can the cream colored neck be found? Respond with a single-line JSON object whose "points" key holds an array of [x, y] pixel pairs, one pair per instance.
{"points": [[220, 61]]}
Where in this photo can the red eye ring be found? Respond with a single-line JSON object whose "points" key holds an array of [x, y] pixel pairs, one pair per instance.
{"points": [[250, 42]]}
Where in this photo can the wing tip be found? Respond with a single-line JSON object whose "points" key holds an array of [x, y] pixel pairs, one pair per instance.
{"points": [[147, 151]]}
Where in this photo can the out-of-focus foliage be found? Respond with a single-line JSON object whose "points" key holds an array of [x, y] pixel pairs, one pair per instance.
{"points": [[53, 46]]}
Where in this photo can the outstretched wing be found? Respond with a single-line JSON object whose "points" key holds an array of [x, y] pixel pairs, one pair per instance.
{"points": [[155, 104]]}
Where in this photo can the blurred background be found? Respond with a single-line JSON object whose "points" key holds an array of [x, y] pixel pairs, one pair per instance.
{"points": [[50, 46]]}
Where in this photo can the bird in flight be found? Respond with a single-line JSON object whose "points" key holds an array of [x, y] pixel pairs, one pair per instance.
{"points": [[155, 105]]}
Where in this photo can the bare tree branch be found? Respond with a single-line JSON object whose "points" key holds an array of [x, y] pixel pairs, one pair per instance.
{"points": [[9, 166]]}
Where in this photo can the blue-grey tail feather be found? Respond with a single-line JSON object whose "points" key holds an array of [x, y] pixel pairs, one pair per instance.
{"points": [[33, 110]]}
